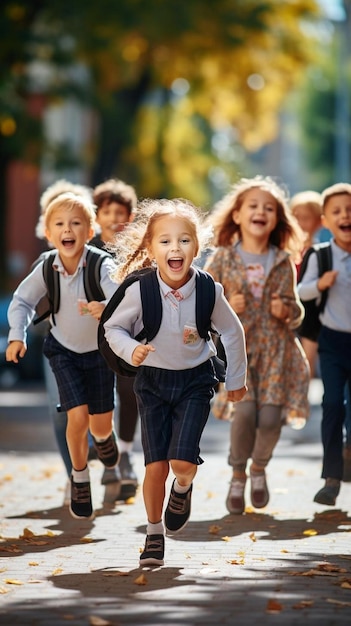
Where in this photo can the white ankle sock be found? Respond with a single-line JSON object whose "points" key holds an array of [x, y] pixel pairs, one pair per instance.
{"points": [[125, 446], [179, 488], [155, 529], [81, 476]]}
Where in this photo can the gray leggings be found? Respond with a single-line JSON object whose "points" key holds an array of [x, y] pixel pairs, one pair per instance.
{"points": [[254, 434]]}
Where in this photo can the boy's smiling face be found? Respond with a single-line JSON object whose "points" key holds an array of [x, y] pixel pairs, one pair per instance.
{"points": [[112, 218], [68, 229], [337, 218]]}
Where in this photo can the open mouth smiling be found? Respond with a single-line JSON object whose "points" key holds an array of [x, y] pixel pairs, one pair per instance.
{"points": [[346, 228], [175, 264], [68, 243], [258, 222]]}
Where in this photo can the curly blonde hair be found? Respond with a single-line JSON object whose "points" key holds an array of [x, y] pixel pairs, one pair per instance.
{"points": [[287, 233], [130, 247]]}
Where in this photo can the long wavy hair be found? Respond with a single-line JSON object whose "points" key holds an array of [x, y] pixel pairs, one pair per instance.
{"points": [[287, 234]]}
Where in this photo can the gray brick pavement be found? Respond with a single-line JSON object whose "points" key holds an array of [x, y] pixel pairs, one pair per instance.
{"points": [[289, 563]]}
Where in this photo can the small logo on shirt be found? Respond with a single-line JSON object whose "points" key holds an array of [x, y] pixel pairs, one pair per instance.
{"points": [[190, 335]]}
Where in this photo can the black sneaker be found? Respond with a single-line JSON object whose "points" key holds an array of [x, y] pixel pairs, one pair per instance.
{"points": [[107, 451], [154, 550], [129, 480], [178, 510], [81, 506], [328, 493]]}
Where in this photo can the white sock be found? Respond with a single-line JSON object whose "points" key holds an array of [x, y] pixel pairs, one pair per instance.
{"points": [[81, 476], [179, 488], [125, 446], [155, 529]]}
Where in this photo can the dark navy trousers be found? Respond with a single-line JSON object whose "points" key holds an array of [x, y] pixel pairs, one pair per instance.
{"points": [[334, 350]]}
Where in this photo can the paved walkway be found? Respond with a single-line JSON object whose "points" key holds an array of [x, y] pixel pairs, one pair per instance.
{"points": [[289, 563]]}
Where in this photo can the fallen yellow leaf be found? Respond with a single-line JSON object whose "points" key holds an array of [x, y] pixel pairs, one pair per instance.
{"points": [[214, 530], [253, 537], [13, 581], [94, 620], [141, 580], [303, 604], [27, 533], [130, 500], [273, 606], [310, 532], [338, 602], [33, 563]]}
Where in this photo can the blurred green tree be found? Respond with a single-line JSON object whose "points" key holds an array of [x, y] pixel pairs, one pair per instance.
{"points": [[164, 76], [324, 109], [238, 58]]}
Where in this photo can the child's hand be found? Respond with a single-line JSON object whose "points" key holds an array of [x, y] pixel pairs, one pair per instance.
{"points": [[237, 302], [140, 353], [14, 350], [278, 308], [95, 309], [237, 394], [327, 280]]}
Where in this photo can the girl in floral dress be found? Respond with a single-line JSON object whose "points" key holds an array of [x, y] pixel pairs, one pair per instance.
{"points": [[256, 237]]}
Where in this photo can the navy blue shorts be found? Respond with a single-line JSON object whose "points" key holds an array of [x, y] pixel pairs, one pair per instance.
{"points": [[174, 406], [81, 378]]}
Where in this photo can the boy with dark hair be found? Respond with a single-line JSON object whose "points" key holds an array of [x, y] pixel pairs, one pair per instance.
{"points": [[115, 205]]}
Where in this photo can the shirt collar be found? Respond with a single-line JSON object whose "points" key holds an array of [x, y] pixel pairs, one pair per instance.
{"points": [[339, 252], [186, 290], [58, 266]]}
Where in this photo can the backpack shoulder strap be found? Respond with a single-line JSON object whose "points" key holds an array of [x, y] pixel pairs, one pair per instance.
{"points": [[92, 274], [152, 305], [205, 301], [150, 299], [325, 263], [324, 256], [116, 298], [52, 282]]}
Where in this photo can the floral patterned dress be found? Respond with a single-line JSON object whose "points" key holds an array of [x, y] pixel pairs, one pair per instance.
{"points": [[278, 371]]}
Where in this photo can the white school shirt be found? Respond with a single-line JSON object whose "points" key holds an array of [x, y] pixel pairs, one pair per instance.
{"points": [[177, 344], [74, 331], [337, 311]]}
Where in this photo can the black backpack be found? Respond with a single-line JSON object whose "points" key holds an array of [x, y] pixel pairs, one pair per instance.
{"points": [[310, 325], [50, 304], [152, 316]]}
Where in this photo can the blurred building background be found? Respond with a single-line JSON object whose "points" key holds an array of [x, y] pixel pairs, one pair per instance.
{"points": [[177, 98]]}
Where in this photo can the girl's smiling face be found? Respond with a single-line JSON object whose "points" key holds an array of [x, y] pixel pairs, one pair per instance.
{"points": [[173, 246], [258, 214]]}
